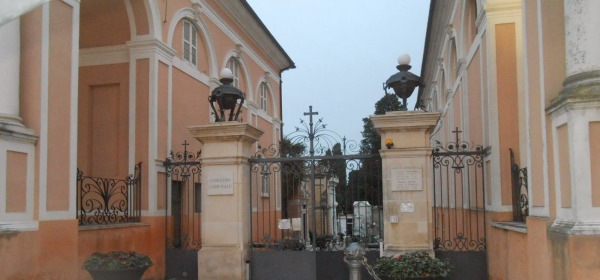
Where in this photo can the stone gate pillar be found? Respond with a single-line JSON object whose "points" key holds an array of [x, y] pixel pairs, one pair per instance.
{"points": [[226, 148], [407, 180]]}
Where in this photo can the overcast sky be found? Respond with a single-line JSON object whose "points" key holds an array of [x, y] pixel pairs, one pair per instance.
{"points": [[344, 50]]}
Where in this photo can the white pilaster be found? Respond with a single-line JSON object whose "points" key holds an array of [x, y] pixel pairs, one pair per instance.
{"points": [[577, 106], [9, 71], [582, 37]]}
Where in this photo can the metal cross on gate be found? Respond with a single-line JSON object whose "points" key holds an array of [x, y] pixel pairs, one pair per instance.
{"points": [[311, 132], [456, 132]]}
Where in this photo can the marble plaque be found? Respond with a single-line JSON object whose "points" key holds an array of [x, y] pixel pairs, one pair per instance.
{"points": [[220, 183], [407, 207], [407, 179]]}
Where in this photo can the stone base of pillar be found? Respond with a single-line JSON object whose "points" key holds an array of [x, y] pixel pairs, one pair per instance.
{"points": [[218, 263], [575, 227], [12, 129], [574, 256]]}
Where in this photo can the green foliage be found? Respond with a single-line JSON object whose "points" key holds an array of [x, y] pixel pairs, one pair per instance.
{"points": [[117, 260], [291, 172], [387, 103], [371, 142], [289, 149], [414, 264], [366, 180], [337, 167]]}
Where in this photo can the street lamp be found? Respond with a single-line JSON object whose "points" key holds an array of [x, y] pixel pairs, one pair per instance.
{"points": [[226, 96], [403, 82]]}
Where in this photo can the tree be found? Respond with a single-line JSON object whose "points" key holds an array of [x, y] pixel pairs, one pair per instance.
{"points": [[364, 183], [337, 168], [371, 142], [292, 172]]}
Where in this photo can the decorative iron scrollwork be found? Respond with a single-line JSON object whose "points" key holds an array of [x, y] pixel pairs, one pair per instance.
{"points": [[520, 196], [183, 174], [109, 201], [459, 196], [314, 185]]}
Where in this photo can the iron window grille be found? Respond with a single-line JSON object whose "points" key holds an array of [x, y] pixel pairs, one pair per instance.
{"points": [[109, 201], [520, 198]]}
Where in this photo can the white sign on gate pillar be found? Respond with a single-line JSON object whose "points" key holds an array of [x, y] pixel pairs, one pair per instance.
{"points": [[226, 148], [407, 183]]}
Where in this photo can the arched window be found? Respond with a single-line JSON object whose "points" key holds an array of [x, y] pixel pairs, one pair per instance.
{"points": [[264, 93], [471, 23], [190, 42], [234, 66], [452, 61]]}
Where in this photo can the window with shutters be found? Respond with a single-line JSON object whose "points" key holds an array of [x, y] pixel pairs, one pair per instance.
{"points": [[190, 42], [264, 92], [234, 66]]}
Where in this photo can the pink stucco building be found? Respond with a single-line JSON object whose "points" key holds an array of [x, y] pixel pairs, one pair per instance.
{"points": [[99, 86]]}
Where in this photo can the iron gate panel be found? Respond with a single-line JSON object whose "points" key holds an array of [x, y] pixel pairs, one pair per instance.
{"points": [[309, 199], [459, 207], [316, 209], [182, 226]]}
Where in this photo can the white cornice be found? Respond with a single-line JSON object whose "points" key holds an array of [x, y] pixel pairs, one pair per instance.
{"points": [[103, 55], [252, 28], [142, 46], [498, 9], [404, 120], [147, 47], [222, 131], [220, 23]]}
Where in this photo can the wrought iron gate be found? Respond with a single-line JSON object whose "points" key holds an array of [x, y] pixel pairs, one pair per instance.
{"points": [[309, 199], [459, 207], [182, 228]]}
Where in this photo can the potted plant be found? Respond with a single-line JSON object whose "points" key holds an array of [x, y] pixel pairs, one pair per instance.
{"points": [[117, 265], [413, 265]]}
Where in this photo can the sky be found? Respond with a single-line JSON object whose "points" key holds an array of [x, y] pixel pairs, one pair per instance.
{"points": [[344, 50]]}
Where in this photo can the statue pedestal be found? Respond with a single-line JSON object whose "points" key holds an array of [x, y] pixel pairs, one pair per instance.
{"points": [[407, 180]]}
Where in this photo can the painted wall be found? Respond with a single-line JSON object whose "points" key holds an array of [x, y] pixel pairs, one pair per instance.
{"points": [[515, 62], [103, 86]]}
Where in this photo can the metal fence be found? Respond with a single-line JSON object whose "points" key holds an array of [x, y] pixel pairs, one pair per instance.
{"points": [[520, 198], [108, 200], [304, 203], [459, 207]]}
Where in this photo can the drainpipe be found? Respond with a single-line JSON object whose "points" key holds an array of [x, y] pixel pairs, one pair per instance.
{"points": [[291, 66]]}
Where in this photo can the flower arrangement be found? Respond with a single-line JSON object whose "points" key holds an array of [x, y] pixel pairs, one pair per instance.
{"points": [[116, 261], [417, 265], [117, 265]]}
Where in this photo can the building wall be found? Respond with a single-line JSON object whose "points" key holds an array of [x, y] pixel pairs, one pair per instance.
{"points": [[102, 86], [505, 96]]}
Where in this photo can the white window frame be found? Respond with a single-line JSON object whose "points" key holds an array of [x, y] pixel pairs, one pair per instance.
{"points": [[190, 39], [234, 66], [264, 90]]}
